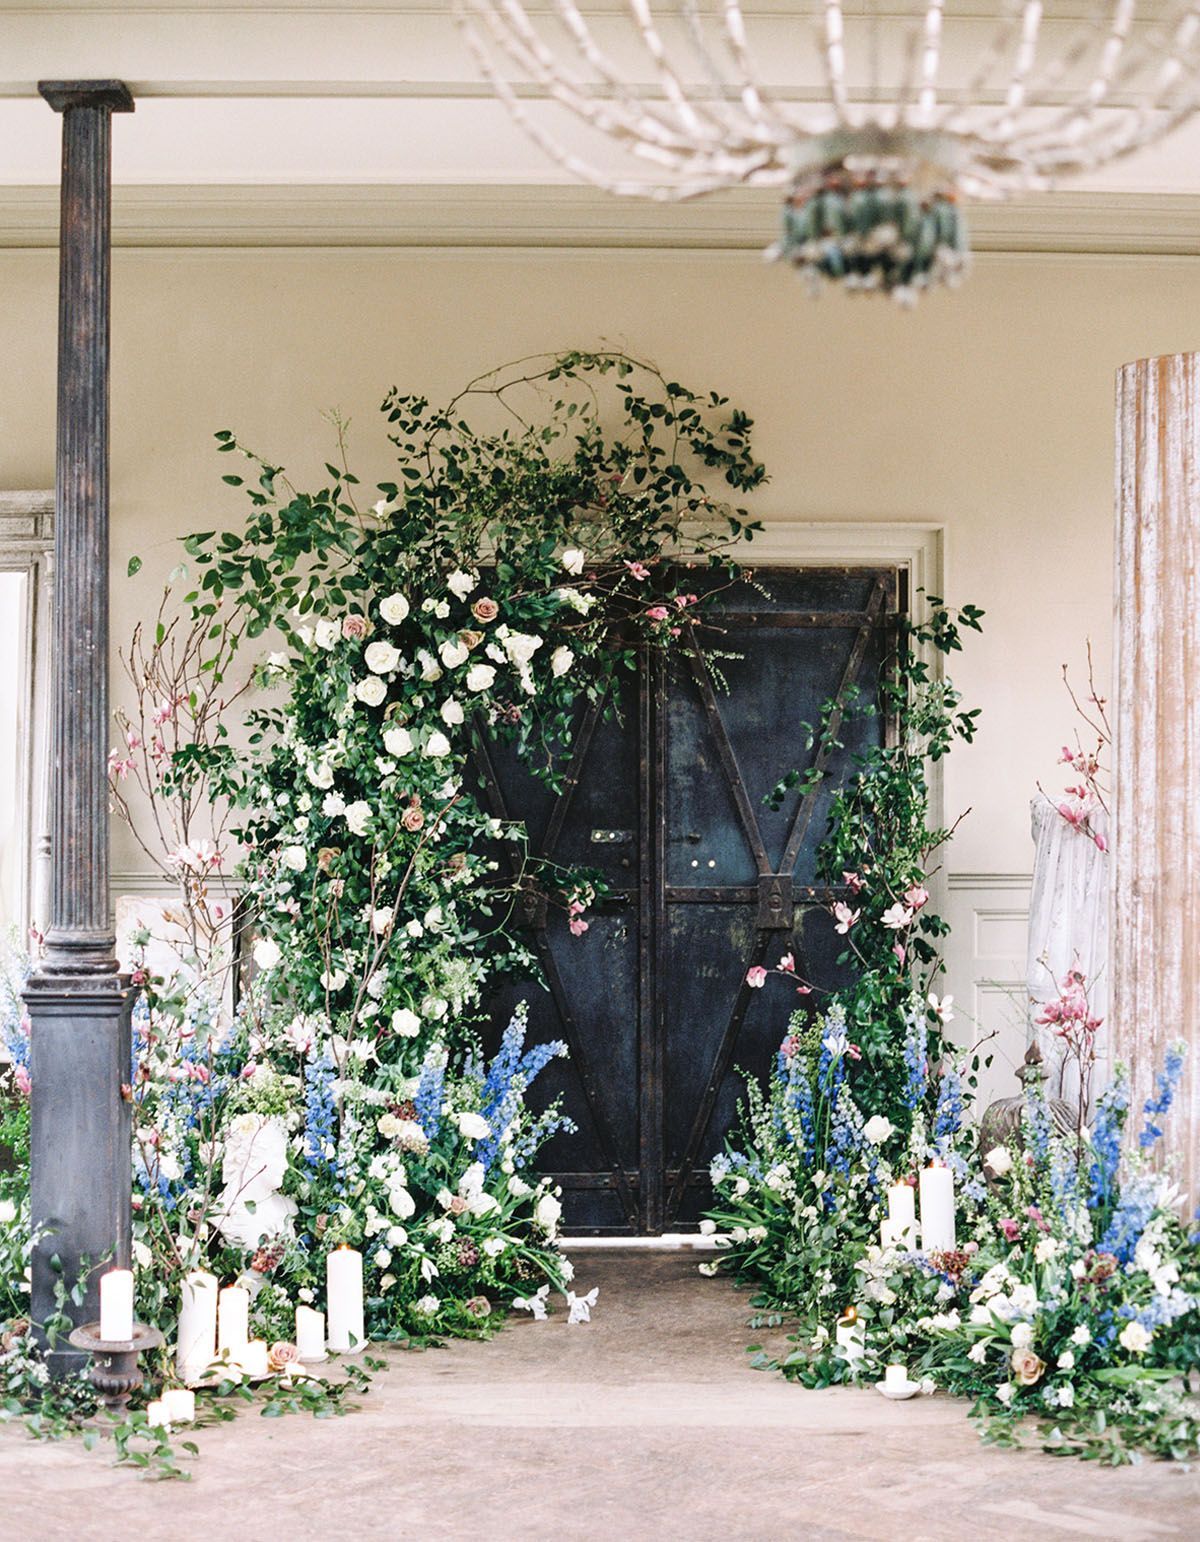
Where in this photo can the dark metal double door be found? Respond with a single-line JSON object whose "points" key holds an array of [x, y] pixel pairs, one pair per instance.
{"points": [[665, 797]]}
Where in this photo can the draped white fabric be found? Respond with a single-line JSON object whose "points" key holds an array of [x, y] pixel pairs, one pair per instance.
{"points": [[1156, 915], [1068, 929]]}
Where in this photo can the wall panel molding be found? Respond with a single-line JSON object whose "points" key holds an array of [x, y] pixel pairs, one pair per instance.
{"points": [[570, 217]]}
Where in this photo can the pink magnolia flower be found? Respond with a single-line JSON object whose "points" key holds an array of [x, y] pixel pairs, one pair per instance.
{"points": [[682, 601], [916, 897], [577, 926], [901, 953], [639, 570], [844, 917], [658, 613], [896, 917], [787, 964], [942, 1008], [804, 990], [21, 1078], [853, 882], [756, 978]]}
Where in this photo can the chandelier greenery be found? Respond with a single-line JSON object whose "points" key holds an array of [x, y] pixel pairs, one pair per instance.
{"points": [[884, 120]]}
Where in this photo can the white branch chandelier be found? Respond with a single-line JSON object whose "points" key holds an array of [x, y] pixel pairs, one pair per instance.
{"points": [[894, 134]]}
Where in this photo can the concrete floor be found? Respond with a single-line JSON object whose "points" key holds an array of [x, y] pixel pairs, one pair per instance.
{"points": [[646, 1423]]}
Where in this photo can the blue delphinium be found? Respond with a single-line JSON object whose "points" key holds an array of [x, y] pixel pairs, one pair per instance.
{"points": [[1106, 1130], [507, 1080], [950, 1106], [1167, 1082], [799, 1098], [846, 1139], [319, 1077], [1038, 1128], [916, 1052], [1131, 1217], [429, 1095]]}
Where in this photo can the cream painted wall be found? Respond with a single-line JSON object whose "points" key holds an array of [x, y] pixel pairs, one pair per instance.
{"points": [[988, 411]]}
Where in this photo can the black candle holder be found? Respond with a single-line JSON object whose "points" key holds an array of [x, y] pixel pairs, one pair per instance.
{"points": [[115, 1371]]}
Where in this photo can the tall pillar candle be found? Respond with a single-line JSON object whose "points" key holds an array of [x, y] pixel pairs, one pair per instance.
{"points": [[196, 1345], [344, 1290], [937, 1209], [116, 1306], [233, 1322]]}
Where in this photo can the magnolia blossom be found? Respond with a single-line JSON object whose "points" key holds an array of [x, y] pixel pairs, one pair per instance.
{"points": [[917, 896], [573, 560], [896, 916], [406, 1023], [393, 609], [560, 661], [756, 977], [371, 691], [844, 917], [454, 653], [437, 746], [358, 817], [381, 658], [480, 677], [460, 584], [942, 1009], [267, 953]]}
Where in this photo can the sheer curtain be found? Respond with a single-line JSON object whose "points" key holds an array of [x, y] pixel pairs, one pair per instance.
{"points": [[1156, 912]]}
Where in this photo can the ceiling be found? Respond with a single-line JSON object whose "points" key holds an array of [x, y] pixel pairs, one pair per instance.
{"points": [[325, 123]]}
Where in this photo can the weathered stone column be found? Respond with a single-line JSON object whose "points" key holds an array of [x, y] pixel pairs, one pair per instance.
{"points": [[78, 1006], [1156, 960]]}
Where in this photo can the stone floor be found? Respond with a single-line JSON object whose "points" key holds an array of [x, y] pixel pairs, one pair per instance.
{"points": [[646, 1423]]}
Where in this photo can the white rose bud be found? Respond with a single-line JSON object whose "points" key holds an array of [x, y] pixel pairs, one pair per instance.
{"points": [[561, 660]]}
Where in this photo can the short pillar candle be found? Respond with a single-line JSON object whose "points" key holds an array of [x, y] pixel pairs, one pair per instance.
{"points": [[233, 1322]]}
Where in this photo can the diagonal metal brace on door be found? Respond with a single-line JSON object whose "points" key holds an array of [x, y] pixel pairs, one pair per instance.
{"points": [[776, 907]]}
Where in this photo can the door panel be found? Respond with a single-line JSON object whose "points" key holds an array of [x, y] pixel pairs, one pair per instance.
{"points": [[665, 798]]}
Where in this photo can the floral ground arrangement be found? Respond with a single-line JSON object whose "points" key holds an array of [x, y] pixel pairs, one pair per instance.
{"points": [[1049, 1278], [323, 1153]]}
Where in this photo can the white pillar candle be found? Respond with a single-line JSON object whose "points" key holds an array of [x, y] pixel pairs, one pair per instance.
{"points": [[178, 1405], [310, 1334], [156, 1413], [937, 1210], [850, 1336], [254, 1360], [196, 1347], [344, 1290], [116, 1306], [895, 1378], [902, 1204], [233, 1322]]}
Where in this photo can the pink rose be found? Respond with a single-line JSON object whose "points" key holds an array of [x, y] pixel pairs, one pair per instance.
{"points": [[485, 609], [354, 626], [1027, 1367]]}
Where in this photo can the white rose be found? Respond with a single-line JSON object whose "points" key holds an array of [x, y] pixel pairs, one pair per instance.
{"points": [[1082, 1335], [1066, 1361], [294, 857], [393, 609], [436, 746], [547, 1212], [320, 776], [454, 653], [430, 668], [521, 646], [333, 979], [414, 928], [381, 919], [371, 692], [878, 1128], [460, 584], [561, 660], [381, 657], [480, 677], [333, 804], [707, 1228], [452, 713], [397, 1237], [402, 1203], [267, 954], [8, 1212], [472, 1126], [1005, 1393], [358, 817], [482, 1204], [326, 634], [397, 741], [999, 1159], [573, 560], [1135, 1338], [1022, 1335], [406, 1023]]}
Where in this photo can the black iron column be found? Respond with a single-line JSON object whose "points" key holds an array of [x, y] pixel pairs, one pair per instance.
{"points": [[78, 1006]]}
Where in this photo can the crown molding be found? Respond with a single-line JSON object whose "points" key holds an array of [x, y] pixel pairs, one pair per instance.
{"points": [[569, 217]]}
